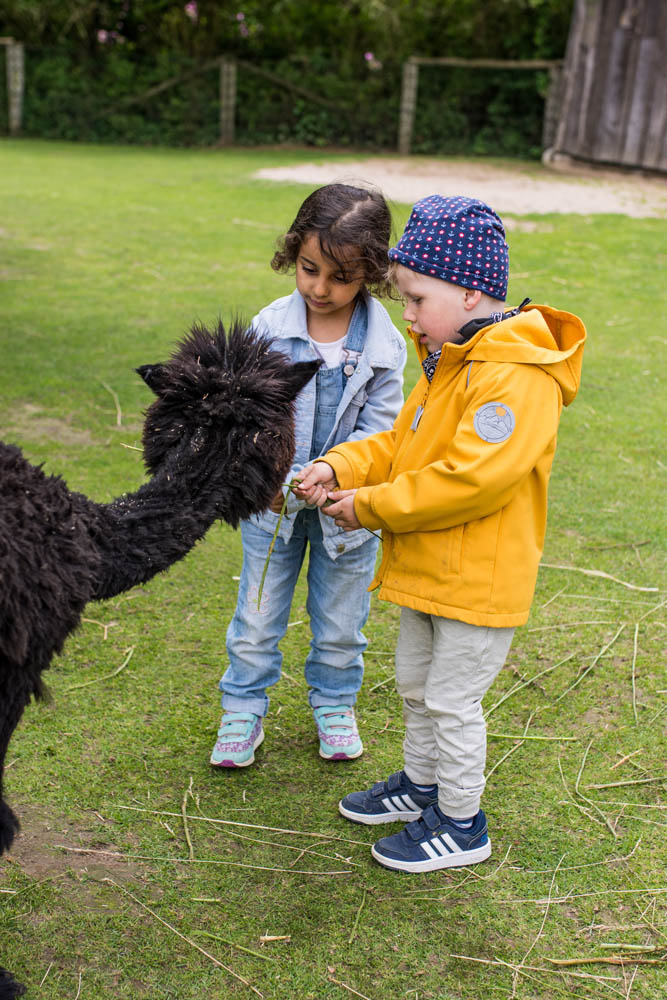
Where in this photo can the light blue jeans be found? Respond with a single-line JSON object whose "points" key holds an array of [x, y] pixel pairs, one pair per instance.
{"points": [[338, 603]]}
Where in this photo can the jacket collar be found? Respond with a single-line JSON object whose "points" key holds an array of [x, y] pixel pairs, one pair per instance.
{"points": [[381, 348]]}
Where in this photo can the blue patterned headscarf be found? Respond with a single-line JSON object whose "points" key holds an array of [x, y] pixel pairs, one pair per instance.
{"points": [[459, 240]]}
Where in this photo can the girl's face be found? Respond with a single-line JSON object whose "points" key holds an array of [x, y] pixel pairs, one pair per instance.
{"points": [[435, 309], [326, 290]]}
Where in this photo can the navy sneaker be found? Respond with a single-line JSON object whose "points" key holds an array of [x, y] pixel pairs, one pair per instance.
{"points": [[433, 842], [387, 801]]}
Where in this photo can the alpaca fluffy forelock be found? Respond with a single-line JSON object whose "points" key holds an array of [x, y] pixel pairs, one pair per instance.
{"points": [[230, 381]]}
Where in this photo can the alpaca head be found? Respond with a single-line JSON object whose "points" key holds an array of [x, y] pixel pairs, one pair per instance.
{"points": [[225, 401]]}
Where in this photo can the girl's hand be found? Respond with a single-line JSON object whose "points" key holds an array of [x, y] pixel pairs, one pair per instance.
{"points": [[314, 483], [277, 503], [342, 509]]}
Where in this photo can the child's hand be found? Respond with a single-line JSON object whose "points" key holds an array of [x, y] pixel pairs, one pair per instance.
{"points": [[277, 503], [314, 483], [342, 509]]}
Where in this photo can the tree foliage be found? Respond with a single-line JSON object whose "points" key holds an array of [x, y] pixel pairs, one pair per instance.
{"points": [[86, 58]]}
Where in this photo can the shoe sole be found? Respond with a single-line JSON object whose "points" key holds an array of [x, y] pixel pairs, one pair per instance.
{"points": [[372, 819], [458, 860], [341, 755], [243, 763]]}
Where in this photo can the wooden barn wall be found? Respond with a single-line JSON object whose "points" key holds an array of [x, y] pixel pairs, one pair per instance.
{"points": [[614, 106]]}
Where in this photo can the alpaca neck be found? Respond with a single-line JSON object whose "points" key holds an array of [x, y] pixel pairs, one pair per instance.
{"points": [[143, 533]]}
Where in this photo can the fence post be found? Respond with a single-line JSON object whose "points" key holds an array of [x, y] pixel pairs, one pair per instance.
{"points": [[408, 105], [15, 83], [227, 100], [552, 108]]}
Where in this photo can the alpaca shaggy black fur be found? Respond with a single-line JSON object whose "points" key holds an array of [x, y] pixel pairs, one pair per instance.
{"points": [[218, 442]]}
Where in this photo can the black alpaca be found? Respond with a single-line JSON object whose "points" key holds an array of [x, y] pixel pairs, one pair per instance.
{"points": [[218, 442]]}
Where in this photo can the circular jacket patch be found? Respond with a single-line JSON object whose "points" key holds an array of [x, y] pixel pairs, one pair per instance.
{"points": [[494, 422]]}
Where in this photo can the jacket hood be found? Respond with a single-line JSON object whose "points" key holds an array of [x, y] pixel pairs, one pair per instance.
{"points": [[539, 335]]}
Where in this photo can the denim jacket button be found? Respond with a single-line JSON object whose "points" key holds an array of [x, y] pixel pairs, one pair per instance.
{"points": [[340, 548]]}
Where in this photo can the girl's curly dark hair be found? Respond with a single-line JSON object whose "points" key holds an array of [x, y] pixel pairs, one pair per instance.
{"points": [[343, 217]]}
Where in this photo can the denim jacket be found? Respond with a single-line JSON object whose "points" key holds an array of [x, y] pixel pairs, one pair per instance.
{"points": [[370, 403]]}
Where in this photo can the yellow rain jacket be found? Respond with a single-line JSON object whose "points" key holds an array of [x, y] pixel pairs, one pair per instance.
{"points": [[459, 485]]}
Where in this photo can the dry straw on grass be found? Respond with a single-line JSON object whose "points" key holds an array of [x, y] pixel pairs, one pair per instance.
{"points": [[183, 937]]}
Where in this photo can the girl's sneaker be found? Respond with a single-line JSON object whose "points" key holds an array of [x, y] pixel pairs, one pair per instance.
{"points": [[433, 842], [338, 733], [387, 801], [239, 735]]}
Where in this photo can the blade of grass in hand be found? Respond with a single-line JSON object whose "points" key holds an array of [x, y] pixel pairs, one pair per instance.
{"points": [[272, 545]]}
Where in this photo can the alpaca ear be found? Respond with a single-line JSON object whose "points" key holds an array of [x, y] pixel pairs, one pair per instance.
{"points": [[153, 376], [300, 374]]}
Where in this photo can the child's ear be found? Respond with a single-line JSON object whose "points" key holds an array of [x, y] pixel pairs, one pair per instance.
{"points": [[471, 298]]}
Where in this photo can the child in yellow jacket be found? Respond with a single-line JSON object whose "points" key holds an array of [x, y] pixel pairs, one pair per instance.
{"points": [[458, 487]]}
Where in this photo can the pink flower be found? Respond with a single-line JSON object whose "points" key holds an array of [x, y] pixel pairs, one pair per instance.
{"points": [[191, 10], [102, 36]]}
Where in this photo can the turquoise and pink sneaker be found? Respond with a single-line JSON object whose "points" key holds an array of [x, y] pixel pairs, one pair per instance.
{"points": [[239, 735], [338, 733]]}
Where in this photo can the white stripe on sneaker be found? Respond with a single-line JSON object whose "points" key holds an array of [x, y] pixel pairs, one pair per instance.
{"points": [[438, 846], [426, 847], [451, 844], [400, 804]]}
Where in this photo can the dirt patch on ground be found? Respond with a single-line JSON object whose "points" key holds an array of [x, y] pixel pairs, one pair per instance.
{"points": [[30, 422], [521, 190], [37, 853]]}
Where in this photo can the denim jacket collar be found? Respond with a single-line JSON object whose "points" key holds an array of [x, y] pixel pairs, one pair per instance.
{"points": [[380, 350]]}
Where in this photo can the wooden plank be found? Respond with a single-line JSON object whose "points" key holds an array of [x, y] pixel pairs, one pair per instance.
{"points": [[552, 105], [15, 85], [612, 83], [227, 101], [600, 63], [488, 63], [653, 154], [408, 105], [655, 150], [579, 77], [640, 95]]}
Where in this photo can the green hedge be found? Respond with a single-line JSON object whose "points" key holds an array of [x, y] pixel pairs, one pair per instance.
{"points": [[84, 61], [489, 112]]}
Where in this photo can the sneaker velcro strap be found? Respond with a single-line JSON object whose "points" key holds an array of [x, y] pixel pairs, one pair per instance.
{"points": [[394, 781], [431, 819], [378, 789], [415, 830]]}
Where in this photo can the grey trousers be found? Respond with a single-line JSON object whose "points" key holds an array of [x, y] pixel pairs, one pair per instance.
{"points": [[444, 668]]}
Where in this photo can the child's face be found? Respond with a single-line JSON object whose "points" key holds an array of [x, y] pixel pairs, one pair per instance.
{"points": [[435, 309], [320, 281]]}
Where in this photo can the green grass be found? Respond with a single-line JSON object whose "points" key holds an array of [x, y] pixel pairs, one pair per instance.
{"points": [[108, 255]]}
